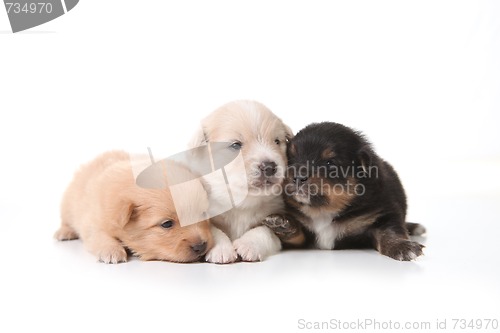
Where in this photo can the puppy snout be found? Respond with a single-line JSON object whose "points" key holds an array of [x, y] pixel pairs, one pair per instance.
{"points": [[199, 248], [300, 180], [268, 168]]}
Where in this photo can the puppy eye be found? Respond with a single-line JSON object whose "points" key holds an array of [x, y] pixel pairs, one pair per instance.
{"points": [[167, 224], [330, 162], [236, 145], [277, 141]]}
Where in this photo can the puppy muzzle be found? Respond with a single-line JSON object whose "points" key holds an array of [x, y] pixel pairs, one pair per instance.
{"points": [[266, 173], [199, 249]]}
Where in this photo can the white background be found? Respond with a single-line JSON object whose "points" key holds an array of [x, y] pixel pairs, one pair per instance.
{"points": [[421, 79]]}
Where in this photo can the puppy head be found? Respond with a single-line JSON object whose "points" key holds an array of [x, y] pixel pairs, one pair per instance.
{"points": [[327, 163], [152, 229], [252, 129]]}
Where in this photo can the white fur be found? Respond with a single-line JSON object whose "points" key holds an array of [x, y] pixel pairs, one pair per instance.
{"points": [[419, 231], [223, 251], [325, 230], [412, 255], [242, 225], [256, 244]]}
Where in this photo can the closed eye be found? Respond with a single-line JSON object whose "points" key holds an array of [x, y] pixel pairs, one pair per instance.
{"points": [[330, 163]]}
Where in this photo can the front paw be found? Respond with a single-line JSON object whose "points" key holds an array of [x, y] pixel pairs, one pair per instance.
{"points": [[248, 250], [403, 251], [112, 254], [65, 233], [280, 225], [222, 254]]}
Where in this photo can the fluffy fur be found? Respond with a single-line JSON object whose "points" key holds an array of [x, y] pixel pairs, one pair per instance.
{"points": [[344, 195], [111, 214], [251, 128]]}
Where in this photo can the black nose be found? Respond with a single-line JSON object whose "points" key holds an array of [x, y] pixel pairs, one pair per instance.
{"points": [[300, 180], [269, 168], [199, 248]]}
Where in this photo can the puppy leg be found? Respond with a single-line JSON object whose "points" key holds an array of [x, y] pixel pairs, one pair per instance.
{"points": [[415, 229], [257, 244], [288, 230], [107, 249], [65, 232], [393, 242], [223, 251]]}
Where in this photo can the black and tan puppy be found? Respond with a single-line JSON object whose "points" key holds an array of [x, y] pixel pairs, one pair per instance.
{"points": [[344, 195]]}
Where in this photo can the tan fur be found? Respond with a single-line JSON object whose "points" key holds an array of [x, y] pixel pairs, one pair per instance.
{"points": [[293, 150], [356, 225], [296, 240], [327, 154], [106, 209], [339, 200]]}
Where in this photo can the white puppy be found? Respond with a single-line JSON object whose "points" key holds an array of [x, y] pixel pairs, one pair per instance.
{"points": [[249, 128]]}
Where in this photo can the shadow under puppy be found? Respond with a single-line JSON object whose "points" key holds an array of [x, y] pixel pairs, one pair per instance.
{"points": [[105, 207], [344, 195]]}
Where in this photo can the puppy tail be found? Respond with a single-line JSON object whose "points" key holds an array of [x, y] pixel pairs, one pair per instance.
{"points": [[415, 229]]}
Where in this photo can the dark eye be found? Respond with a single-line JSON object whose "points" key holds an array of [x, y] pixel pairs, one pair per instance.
{"points": [[236, 145], [167, 224], [277, 141], [330, 162]]}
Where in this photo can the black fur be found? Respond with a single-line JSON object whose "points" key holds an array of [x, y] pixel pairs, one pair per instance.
{"points": [[369, 203]]}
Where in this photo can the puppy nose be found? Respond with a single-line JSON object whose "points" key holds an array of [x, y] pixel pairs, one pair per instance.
{"points": [[269, 168], [199, 248], [300, 180]]}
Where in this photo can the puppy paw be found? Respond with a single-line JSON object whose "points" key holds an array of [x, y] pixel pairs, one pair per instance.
{"points": [[112, 254], [404, 251], [65, 233], [248, 250], [280, 225], [415, 229], [223, 253]]}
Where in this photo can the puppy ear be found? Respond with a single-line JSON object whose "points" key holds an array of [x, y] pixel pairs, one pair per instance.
{"points": [[288, 132], [291, 149], [134, 212], [124, 212], [199, 138], [365, 158]]}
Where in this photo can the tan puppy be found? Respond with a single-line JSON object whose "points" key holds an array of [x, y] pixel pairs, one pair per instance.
{"points": [[252, 129], [106, 209]]}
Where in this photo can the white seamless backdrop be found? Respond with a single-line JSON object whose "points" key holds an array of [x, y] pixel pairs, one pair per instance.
{"points": [[420, 79]]}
